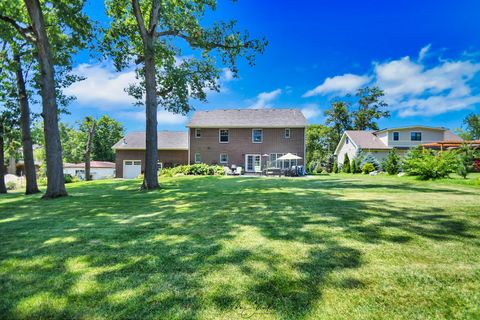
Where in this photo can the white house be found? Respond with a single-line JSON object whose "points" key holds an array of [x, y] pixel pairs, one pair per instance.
{"points": [[378, 143], [98, 170]]}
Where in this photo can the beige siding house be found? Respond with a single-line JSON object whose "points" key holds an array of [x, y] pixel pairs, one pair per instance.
{"points": [[247, 138], [378, 143]]}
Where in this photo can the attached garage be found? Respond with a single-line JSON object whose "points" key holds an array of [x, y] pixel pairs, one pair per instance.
{"points": [[132, 168], [130, 152]]}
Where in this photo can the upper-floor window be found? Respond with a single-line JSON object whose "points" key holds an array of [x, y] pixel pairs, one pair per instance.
{"points": [[198, 133], [223, 136], [347, 141], [257, 135], [287, 133], [198, 159], [223, 158], [396, 136], [415, 136]]}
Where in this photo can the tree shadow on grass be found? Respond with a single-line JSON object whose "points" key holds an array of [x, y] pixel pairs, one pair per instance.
{"points": [[165, 254]]}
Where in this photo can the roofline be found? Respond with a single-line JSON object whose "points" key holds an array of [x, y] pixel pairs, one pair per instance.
{"points": [[341, 139], [245, 127], [120, 148], [414, 126]]}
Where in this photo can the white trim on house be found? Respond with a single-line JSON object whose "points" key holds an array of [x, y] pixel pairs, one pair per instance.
{"points": [[136, 163], [253, 162], [199, 157], [342, 139], [223, 154], [228, 136]]}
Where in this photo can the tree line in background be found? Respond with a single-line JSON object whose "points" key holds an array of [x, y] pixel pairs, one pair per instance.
{"points": [[39, 38]]}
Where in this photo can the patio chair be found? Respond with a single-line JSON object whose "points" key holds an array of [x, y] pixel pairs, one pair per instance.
{"points": [[228, 171], [238, 170]]}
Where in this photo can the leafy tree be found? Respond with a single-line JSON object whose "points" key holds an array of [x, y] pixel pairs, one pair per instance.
{"points": [[429, 164], [56, 29], [339, 120], [346, 164], [108, 132], [466, 156], [151, 34], [392, 162], [317, 144], [370, 108], [471, 129]]}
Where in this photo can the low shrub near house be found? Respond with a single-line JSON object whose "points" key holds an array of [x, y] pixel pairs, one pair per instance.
{"points": [[200, 169], [392, 163], [430, 164], [368, 167]]}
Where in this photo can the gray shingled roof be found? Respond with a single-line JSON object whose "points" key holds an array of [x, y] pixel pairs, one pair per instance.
{"points": [[167, 140], [366, 139], [248, 118], [450, 136]]}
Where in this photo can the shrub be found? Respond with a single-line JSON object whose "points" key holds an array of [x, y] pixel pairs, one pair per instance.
{"points": [[199, 169], [391, 164], [429, 164], [346, 164], [353, 166], [335, 167], [370, 158], [68, 178], [11, 185], [368, 167], [466, 160]]}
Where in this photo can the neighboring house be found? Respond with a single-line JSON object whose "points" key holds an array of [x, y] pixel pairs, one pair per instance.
{"points": [[130, 152], [378, 143], [98, 170], [248, 138]]}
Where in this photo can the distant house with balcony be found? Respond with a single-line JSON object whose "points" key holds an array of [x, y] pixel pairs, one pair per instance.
{"points": [[379, 143]]}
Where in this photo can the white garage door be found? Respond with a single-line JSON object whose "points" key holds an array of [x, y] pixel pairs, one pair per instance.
{"points": [[132, 168]]}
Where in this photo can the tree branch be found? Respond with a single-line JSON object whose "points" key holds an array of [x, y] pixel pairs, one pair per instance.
{"points": [[138, 16], [195, 43], [26, 33], [154, 16]]}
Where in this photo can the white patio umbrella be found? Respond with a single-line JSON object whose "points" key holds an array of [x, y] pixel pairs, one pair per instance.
{"points": [[289, 156]]}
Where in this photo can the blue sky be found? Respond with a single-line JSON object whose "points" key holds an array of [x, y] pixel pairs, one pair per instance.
{"points": [[424, 54]]}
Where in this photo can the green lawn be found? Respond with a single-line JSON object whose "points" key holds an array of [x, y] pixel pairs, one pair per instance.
{"points": [[341, 247]]}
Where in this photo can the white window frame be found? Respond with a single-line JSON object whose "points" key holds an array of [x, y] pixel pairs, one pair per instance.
{"points": [[393, 136], [159, 166], [220, 135], [289, 135], [261, 136], [224, 154], [199, 160], [198, 133], [416, 132]]}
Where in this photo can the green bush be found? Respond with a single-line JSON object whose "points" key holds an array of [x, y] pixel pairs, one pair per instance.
{"points": [[368, 167], [391, 164], [11, 185], [68, 178], [353, 166], [199, 169], [335, 167], [430, 164], [346, 164]]}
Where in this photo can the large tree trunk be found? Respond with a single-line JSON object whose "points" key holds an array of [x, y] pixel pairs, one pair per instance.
{"points": [[3, 188], [53, 147], [27, 145], [88, 150], [151, 154]]}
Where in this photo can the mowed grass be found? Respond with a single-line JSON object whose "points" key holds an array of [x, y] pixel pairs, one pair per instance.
{"points": [[338, 247]]}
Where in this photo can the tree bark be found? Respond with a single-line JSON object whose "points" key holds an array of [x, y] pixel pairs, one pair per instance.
{"points": [[27, 145], [88, 150], [53, 147], [3, 188], [151, 153]]}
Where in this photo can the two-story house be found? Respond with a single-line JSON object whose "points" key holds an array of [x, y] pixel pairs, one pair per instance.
{"points": [[379, 143], [247, 138]]}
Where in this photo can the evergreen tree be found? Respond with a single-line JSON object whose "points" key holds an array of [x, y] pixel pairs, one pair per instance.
{"points": [[335, 167], [369, 158], [346, 164], [353, 166], [391, 164]]}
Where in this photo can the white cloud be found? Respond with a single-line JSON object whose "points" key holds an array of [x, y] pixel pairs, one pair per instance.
{"points": [[264, 99], [103, 86], [163, 117], [311, 111], [414, 88], [227, 75], [423, 52], [344, 84]]}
